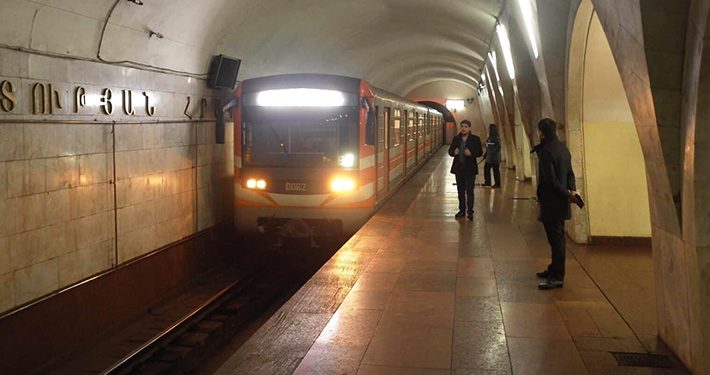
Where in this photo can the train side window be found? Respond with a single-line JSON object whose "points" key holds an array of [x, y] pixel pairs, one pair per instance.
{"points": [[396, 133], [410, 127]]}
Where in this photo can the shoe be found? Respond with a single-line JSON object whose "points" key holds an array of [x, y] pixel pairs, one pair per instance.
{"points": [[485, 184], [495, 186], [469, 216], [551, 284], [543, 274], [459, 214]]}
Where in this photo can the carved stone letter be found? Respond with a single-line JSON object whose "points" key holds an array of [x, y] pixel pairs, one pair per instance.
{"points": [[187, 109], [40, 102], [80, 96], [8, 101], [106, 105], [128, 102], [148, 109], [203, 105]]}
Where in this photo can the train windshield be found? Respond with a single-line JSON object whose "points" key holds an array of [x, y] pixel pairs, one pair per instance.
{"points": [[298, 137]]}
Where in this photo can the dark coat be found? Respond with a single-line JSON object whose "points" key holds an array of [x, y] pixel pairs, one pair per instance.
{"points": [[493, 150], [469, 166], [555, 180]]}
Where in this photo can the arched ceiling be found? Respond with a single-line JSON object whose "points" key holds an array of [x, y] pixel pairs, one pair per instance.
{"points": [[398, 45]]}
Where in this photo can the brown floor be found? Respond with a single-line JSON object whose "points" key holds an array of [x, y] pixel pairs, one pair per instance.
{"points": [[433, 295]]}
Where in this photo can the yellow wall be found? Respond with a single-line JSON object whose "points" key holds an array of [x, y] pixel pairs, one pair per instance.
{"points": [[616, 181], [617, 195]]}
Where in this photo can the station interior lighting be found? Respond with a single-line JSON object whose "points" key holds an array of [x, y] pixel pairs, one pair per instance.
{"points": [[494, 61], [454, 104], [526, 8], [301, 97], [505, 46]]}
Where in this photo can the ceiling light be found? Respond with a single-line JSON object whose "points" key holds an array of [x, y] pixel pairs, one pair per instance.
{"points": [[526, 8], [507, 52]]}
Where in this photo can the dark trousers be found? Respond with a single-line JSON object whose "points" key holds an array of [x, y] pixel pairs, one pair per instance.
{"points": [[555, 231], [464, 185], [487, 173]]}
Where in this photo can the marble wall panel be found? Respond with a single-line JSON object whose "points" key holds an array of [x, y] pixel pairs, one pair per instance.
{"points": [[4, 255], [57, 188], [36, 280], [7, 291]]}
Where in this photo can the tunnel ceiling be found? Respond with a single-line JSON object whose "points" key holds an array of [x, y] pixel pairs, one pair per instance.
{"points": [[398, 45]]}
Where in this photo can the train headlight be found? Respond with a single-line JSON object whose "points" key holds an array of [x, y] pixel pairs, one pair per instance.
{"points": [[347, 160], [253, 183], [342, 184]]}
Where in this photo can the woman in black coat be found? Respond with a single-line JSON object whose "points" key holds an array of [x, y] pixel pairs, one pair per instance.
{"points": [[492, 157], [465, 148]]}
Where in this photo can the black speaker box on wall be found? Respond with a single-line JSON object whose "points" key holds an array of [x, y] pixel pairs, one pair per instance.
{"points": [[223, 72]]}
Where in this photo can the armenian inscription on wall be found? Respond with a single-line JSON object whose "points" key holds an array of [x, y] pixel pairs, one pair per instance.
{"points": [[45, 98]]}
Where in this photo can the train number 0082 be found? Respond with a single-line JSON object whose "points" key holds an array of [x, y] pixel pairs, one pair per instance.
{"points": [[295, 186]]}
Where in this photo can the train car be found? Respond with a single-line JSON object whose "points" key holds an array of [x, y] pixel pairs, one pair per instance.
{"points": [[318, 154]]}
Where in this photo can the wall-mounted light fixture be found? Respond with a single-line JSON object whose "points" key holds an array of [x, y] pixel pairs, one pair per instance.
{"points": [[137, 2], [156, 34]]}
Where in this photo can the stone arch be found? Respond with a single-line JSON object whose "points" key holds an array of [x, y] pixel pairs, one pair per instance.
{"points": [[599, 117]]}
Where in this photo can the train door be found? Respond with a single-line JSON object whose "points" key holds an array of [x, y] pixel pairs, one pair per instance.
{"points": [[405, 152], [384, 166], [415, 135], [411, 140]]}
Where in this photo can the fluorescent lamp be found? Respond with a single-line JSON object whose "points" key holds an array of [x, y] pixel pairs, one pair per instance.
{"points": [[507, 52], [494, 61], [526, 8], [300, 98], [454, 104]]}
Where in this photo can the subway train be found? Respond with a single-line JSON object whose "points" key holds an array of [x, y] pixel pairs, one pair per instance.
{"points": [[316, 155]]}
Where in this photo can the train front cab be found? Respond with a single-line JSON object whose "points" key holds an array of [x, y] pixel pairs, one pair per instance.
{"points": [[301, 158]]}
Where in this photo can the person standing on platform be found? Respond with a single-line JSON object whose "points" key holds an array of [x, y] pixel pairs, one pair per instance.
{"points": [[492, 157], [465, 148], [555, 190]]}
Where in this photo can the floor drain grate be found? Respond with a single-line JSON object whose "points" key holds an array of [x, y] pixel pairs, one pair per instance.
{"points": [[643, 360]]}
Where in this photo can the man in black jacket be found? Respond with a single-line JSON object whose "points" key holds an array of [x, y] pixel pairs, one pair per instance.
{"points": [[555, 190], [465, 148]]}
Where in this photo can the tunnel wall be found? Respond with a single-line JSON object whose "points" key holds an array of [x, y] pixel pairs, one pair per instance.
{"points": [[83, 191]]}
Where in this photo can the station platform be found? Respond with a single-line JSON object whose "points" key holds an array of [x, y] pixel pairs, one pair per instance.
{"points": [[416, 291]]}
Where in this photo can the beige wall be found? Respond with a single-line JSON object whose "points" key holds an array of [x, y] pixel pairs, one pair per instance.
{"points": [[80, 195], [615, 174]]}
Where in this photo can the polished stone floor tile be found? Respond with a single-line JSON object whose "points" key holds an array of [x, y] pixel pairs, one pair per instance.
{"points": [[429, 281], [389, 370], [476, 287], [358, 299], [421, 308], [534, 320], [480, 346], [406, 345], [545, 356], [376, 281]]}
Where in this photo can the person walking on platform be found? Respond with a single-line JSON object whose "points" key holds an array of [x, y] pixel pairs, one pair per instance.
{"points": [[555, 190], [465, 148], [492, 157]]}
